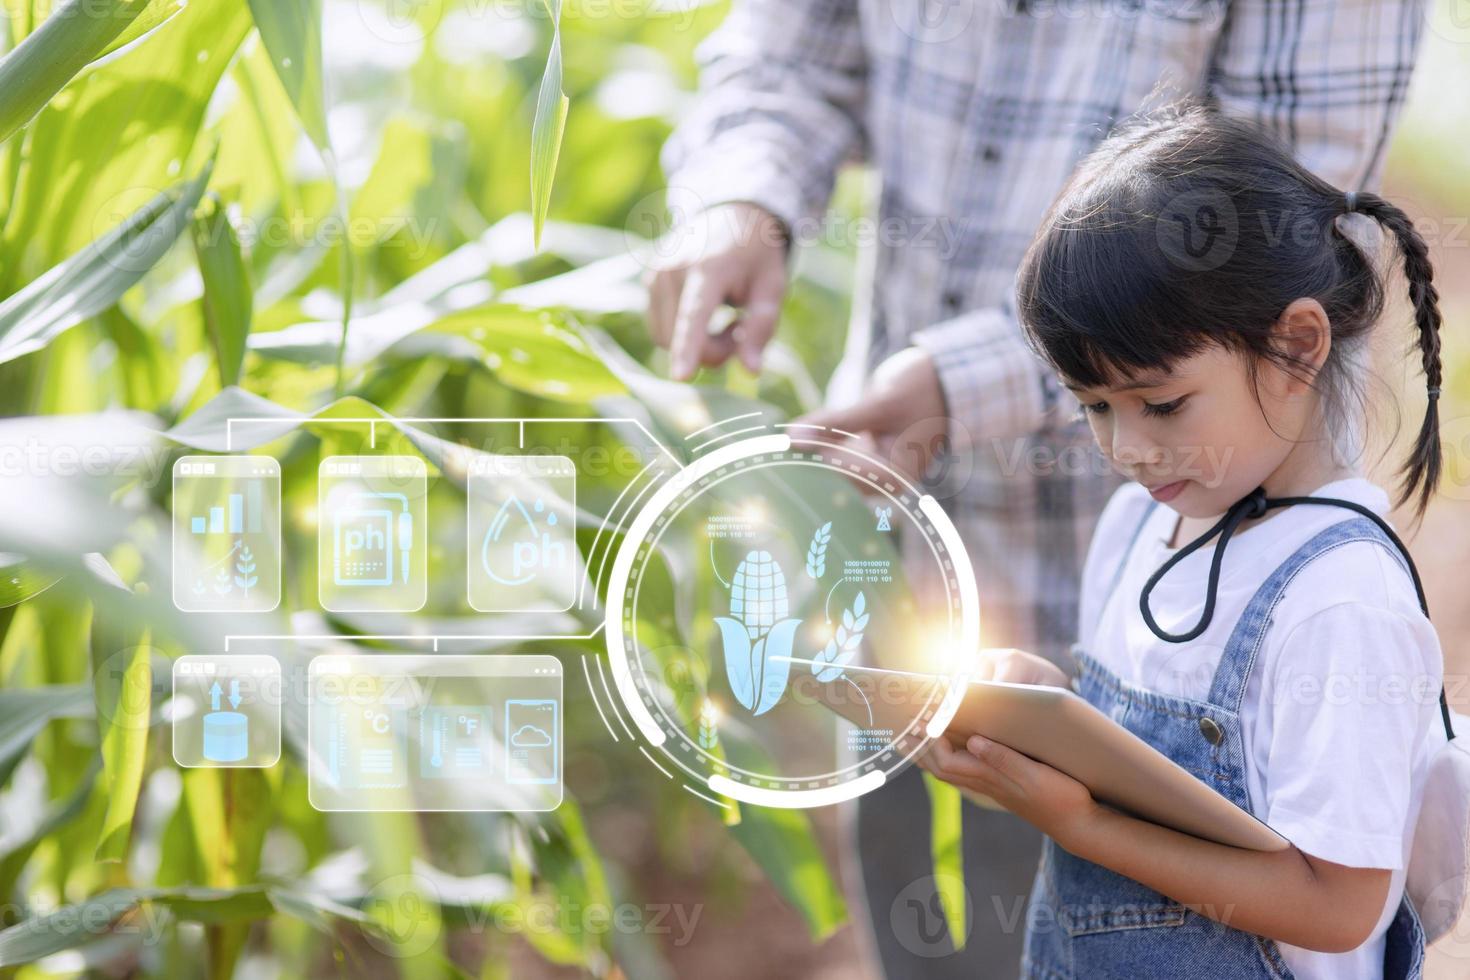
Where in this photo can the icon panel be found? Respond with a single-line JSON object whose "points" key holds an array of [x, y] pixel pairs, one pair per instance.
{"points": [[226, 534], [435, 732], [522, 546], [226, 711], [372, 546]]}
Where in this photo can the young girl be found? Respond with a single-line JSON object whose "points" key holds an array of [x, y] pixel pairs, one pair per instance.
{"points": [[1193, 286]]}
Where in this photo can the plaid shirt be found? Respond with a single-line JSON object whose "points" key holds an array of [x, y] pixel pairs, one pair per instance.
{"points": [[974, 112]]}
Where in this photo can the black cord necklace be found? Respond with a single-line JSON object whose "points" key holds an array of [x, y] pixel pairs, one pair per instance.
{"points": [[1252, 505]]}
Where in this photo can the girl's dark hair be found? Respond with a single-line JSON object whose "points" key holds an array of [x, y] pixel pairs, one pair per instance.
{"points": [[1186, 228]]}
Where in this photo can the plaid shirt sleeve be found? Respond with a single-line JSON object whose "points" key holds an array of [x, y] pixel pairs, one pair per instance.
{"points": [[1331, 77], [995, 387], [782, 94]]}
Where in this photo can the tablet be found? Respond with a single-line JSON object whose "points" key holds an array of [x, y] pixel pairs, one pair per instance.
{"points": [[1056, 726]]}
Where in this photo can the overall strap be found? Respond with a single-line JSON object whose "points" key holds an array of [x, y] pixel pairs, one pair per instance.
{"points": [[1255, 504], [1127, 554], [1243, 648]]}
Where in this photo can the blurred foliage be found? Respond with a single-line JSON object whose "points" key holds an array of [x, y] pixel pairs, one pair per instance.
{"points": [[317, 210]]}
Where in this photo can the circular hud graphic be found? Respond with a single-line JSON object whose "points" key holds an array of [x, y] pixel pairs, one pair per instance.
{"points": [[789, 621]]}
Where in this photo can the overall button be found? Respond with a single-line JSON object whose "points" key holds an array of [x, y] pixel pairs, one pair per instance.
{"points": [[1211, 730]]}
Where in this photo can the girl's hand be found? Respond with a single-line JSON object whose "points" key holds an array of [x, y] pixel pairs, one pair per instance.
{"points": [[1018, 667], [1053, 802]]}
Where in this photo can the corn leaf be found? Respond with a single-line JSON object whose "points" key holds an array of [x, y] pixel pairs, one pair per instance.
{"points": [[782, 842], [548, 127], [292, 34], [227, 291], [946, 847], [539, 352], [76, 32], [123, 133], [20, 580], [23, 713], [75, 926], [122, 680], [93, 279], [153, 16]]}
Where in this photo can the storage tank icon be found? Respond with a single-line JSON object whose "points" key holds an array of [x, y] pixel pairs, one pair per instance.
{"points": [[758, 633]]}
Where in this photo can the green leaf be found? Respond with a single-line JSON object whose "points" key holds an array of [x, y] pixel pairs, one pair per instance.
{"points": [[73, 926], [292, 33], [782, 842], [13, 859], [143, 366], [946, 846], [227, 290], [93, 279], [23, 713], [548, 127], [211, 429], [123, 682], [39, 937], [20, 580], [76, 32], [153, 16], [537, 351], [119, 136]]}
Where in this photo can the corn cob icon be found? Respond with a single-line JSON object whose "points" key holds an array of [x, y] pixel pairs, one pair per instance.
{"points": [[758, 633]]}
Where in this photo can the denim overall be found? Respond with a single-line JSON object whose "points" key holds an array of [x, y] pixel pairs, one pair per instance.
{"points": [[1089, 923]]}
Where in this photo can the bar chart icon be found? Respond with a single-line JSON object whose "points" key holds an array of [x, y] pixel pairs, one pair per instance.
{"points": [[226, 533], [244, 513]]}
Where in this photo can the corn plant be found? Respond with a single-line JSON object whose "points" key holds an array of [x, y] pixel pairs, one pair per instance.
{"points": [[312, 211]]}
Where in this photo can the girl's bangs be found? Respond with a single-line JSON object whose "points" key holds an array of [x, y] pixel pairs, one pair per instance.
{"points": [[1099, 301]]}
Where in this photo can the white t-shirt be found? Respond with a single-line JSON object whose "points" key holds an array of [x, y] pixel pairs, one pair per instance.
{"points": [[1340, 717]]}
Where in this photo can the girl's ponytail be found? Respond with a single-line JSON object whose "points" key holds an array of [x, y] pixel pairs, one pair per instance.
{"points": [[1421, 471]]}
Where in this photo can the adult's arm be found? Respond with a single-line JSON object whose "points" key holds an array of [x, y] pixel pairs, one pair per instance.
{"points": [[780, 108]]}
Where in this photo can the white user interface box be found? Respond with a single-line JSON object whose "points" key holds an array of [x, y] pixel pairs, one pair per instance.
{"points": [[522, 544], [372, 536], [435, 732], [226, 534]]}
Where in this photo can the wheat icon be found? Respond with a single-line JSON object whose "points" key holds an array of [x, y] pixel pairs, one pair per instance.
{"points": [[816, 552], [843, 647], [709, 734]]}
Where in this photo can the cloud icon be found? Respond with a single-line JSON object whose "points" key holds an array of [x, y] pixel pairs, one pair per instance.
{"points": [[529, 735]]}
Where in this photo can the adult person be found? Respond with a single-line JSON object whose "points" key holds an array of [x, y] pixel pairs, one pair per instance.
{"points": [[973, 113]]}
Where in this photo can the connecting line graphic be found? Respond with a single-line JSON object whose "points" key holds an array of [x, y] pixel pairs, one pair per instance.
{"points": [[294, 422], [871, 670], [373, 422], [418, 637]]}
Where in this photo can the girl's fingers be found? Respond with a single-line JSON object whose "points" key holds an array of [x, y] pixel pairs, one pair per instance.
{"points": [[958, 763], [968, 771], [1007, 767]]}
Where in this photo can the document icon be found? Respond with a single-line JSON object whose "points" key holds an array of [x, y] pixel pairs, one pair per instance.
{"points": [[372, 542]]}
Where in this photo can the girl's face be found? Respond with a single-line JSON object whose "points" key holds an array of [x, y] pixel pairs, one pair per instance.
{"points": [[1200, 437]]}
